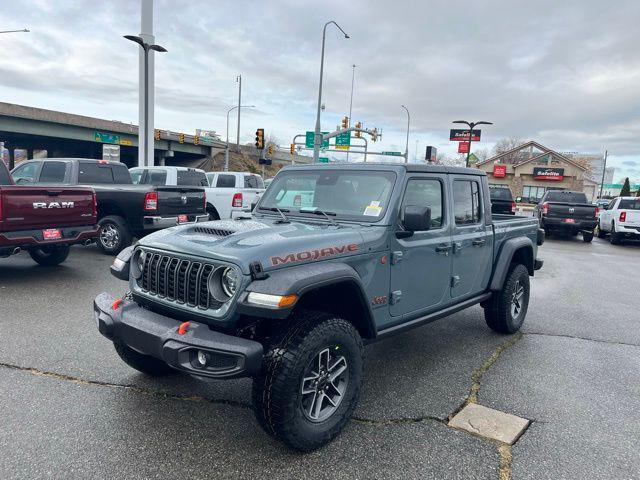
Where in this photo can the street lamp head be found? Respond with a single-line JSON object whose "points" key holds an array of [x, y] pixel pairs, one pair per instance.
{"points": [[26, 30], [135, 38], [484, 123], [157, 48], [461, 121], [346, 36]]}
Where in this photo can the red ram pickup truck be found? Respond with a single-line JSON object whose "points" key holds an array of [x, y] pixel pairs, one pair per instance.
{"points": [[45, 221]]}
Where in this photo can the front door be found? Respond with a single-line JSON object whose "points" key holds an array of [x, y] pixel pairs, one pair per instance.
{"points": [[421, 263], [472, 240]]}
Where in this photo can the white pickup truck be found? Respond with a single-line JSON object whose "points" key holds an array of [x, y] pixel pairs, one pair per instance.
{"points": [[621, 219], [231, 194]]}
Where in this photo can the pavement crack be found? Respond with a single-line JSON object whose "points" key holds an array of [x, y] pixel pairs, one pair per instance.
{"points": [[506, 458], [397, 421], [575, 337], [127, 387]]}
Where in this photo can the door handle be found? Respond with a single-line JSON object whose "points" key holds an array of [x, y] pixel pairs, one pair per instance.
{"points": [[478, 242], [444, 249]]}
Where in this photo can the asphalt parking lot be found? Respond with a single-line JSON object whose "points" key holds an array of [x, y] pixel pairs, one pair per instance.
{"points": [[72, 409]]}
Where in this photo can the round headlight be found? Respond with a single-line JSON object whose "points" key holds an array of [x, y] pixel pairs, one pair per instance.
{"points": [[137, 264], [229, 281]]}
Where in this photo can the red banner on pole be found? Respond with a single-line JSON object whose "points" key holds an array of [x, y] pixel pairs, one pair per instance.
{"points": [[463, 147]]}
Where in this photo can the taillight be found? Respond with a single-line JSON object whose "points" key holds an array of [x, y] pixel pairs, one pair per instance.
{"points": [[545, 208], [95, 205], [0, 207], [204, 195], [151, 201], [513, 207], [623, 216], [597, 212], [237, 200]]}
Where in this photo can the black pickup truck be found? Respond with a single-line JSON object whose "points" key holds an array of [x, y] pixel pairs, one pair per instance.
{"points": [[567, 213], [502, 201], [124, 210]]}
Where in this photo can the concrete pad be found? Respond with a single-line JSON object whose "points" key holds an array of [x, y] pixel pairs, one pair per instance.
{"points": [[490, 423]]}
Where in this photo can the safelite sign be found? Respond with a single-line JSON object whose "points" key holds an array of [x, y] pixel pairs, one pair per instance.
{"points": [[499, 171], [548, 174]]}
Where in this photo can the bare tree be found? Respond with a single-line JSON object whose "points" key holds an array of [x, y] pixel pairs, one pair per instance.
{"points": [[451, 161], [506, 144]]}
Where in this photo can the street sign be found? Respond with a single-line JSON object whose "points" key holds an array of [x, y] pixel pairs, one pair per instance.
{"points": [[106, 137], [393, 154], [457, 135], [323, 159], [473, 159], [463, 147], [111, 153], [343, 140], [342, 147], [308, 140], [126, 141]]}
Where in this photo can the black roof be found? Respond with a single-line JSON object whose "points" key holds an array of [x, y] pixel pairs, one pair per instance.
{"points": [[409, 167]]}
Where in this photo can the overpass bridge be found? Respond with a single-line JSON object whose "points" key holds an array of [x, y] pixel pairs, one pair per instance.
{"points": [[68, 135]]}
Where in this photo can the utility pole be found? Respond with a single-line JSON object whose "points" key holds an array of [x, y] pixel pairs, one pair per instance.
{"points": [[604, 170], [317, 137], [239, 80], [146, 79], [406, 147], [353, 76]]}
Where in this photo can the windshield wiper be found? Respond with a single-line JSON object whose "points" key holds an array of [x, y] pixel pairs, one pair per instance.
{"points": [[284, 218], [317, 211]]}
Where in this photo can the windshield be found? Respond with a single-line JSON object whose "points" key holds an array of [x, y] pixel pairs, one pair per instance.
{"points": [[500, 193], [349, 195]]}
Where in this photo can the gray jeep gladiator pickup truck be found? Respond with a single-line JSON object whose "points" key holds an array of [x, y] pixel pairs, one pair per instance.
{"points": [[335, 256]]}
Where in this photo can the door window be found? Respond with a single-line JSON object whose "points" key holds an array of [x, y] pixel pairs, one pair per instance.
{"points": [[156, 177], [192, 178], [467, 208], [226, 181], [136, 176], [94, 172], [253, 181], [26, 173], [425, 192], [53, 172]]}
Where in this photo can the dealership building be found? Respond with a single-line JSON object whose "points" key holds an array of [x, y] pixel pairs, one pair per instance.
{"points": [[531, 169]]}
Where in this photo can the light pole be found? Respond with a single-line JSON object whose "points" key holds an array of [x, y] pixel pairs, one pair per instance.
{"points": [[239, 80], [471, 125], [145, 47], [353, 77], [317, 139], [226, 150], [24, 30], [406, 148], [604, 171]]}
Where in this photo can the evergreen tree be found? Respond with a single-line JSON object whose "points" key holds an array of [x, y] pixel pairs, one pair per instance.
{"points": [[626, 188]]}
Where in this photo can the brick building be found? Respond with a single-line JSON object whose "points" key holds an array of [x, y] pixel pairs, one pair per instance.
{"points": [[531, 169]]}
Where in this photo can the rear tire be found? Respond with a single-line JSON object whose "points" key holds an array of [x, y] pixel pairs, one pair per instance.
{"points": [[113, 235], [587, 237], [601, 233], [506, 310], [614, 238], [51, 255], [310, 381], [143, 363]]}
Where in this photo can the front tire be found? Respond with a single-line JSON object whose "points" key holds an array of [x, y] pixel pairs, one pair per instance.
{"points": [[310, 381], [50, 256], [143, 363], [213, 213], [113, 234], [506, 310], [601, 233]]}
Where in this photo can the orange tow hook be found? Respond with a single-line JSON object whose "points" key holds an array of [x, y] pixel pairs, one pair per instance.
{"points": [[115, 305], [182, 329]]}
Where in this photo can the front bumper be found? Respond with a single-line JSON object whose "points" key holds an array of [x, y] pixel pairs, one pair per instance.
{"points": [[154, 222], [34, 238], [562, 224], [157, 335]]}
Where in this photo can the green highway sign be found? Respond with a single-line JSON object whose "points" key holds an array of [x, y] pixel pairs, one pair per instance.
{"points": [[343, 140], [323, 160], [106, 137], [308, 141], [394, 154]]}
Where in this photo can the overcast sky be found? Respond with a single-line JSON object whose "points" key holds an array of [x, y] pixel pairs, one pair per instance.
{"points": [[564, 73]]}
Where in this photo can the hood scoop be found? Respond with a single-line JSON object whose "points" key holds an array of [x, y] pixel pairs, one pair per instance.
{"points": [[214, 232]]}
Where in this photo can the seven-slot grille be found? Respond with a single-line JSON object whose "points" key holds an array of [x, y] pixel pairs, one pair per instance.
{"points": [[178, 280]]}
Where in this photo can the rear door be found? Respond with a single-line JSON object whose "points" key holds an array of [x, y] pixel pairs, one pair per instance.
{"points": [[472, 238], [421, 263]]}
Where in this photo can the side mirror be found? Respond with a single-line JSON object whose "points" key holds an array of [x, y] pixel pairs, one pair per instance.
{"points": [[416, 218], [519, 199]]}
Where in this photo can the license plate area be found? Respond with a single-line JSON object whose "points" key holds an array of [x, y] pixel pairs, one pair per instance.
{"points": [[183, 218], [52, 234], [569, 220]]}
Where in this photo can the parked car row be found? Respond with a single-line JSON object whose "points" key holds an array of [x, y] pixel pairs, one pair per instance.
{"points": [[46, 205], [620, 219]]}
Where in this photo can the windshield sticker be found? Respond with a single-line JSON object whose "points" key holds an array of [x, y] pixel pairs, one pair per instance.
{"points": [[373, 209], [317, 254]]}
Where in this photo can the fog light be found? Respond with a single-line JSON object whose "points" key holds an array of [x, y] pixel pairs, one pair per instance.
{"points": [[202, 359]]}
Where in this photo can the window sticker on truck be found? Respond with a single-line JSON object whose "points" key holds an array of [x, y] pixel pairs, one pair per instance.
{"points": [[373, 209]]}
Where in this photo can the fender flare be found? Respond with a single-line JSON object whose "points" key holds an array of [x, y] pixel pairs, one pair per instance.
{"points": [[303, 279], [506, 254]]}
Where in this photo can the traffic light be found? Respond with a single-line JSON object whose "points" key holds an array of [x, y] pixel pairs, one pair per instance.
{"points": [[292, 148], [345, 122], [156, 134], [374, 134], [259, 138], [358, 126], [270, 149], [181, 137], [196, 140]]}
